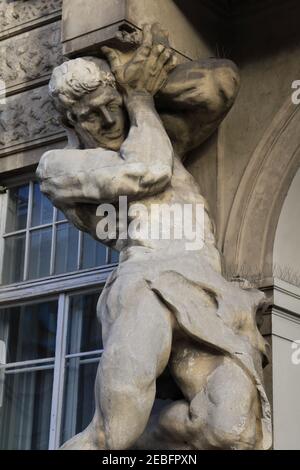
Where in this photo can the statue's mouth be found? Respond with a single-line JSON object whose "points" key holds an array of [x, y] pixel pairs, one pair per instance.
{"points": [[115, 134]]}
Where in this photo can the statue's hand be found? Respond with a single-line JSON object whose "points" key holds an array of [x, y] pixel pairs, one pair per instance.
{"points": [[148, 69]]}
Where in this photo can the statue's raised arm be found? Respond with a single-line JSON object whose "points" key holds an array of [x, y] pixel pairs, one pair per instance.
{"points": [[112, 164]]}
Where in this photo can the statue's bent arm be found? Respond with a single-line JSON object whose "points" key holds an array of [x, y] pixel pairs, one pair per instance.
{"points": [[195, 100], [142, 167]]}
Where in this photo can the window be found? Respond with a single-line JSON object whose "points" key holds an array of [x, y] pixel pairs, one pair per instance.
{"points": [[39, 241], [47, 380], [50, 339], [26, 383]]}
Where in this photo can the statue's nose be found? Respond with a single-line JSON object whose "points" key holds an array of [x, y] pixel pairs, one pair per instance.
{"points": [[108, 119]]}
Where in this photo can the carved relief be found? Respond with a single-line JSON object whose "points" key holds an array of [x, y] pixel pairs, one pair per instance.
{"points": [[27, 116], [30, 55], [14, 13]]}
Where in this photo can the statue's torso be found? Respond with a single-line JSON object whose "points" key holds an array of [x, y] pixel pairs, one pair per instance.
{"points": [[183, 194]]}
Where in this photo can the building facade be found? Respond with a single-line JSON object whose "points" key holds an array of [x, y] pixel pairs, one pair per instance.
{"points": [[51, 274]]}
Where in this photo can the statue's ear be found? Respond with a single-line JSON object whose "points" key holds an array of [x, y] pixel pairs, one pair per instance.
{"points": [[70, 119]]}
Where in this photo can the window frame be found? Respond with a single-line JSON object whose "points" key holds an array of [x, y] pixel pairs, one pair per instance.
{"points": [[55, 223], [59, 287], [58, 363], [52, 284]]}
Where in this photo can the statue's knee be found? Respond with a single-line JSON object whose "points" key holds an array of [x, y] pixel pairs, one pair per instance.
{"points": [[217, 428], [233, 417], [229, 431]]}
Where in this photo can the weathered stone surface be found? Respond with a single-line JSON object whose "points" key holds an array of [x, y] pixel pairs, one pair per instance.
{"points": [[17, 12], [30, 55], [27, 116], [28, 157], [214, 350]]}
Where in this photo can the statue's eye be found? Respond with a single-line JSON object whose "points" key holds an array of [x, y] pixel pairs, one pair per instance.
{"points": [[90, 117], [112, 107]]}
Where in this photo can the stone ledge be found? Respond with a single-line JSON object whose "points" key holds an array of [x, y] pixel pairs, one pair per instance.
{"points": [[31, 144], [21, 16]]}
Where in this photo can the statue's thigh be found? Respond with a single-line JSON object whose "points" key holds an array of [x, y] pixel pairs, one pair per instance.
{"points": [[191, 364], [224, 405], [231, 404], [232, 391], [137, 328]]}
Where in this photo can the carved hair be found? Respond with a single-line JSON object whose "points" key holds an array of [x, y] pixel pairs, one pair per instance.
{"points": [[75, 78]]}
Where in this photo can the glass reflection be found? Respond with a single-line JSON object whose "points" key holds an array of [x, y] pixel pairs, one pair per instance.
{"points": [[79, 400], [42, 209], [84, 330], [13, 259], [40, 253], [66, 253], [26, 410], [93, 252], [29, 332], [17, 208]]}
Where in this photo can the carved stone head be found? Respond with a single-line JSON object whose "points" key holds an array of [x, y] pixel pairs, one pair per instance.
{"points": [[84, 92]]}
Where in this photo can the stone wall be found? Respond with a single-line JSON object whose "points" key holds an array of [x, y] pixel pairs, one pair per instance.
{"points": [[258, 141], [30, 46]]}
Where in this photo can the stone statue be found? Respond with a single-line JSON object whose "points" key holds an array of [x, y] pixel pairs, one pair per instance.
{"points": [[164, 310]]}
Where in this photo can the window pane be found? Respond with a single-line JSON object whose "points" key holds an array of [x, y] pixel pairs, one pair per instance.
{"points": [[25, 413], [60, 216], [29, 332], [40, 253], [42, 210], [114, 256], [79, 400], [66, 248], [17, 208], [13, 259], [93, 253], [84, 330]]}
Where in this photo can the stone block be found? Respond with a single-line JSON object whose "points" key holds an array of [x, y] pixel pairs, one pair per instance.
{"points": [[87, 25]]}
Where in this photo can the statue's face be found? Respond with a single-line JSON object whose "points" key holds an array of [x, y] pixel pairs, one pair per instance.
{"points": [[99, 119]]}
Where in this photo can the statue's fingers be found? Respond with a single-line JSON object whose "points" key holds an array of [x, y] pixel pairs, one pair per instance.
{"points": [[157, 28], [171, 64], [166, 66], [138, 37], [142, 54], [160, 35], [144, 50], [157, 51], [147, 36], [164, 57], [112, 56], [152, 64], [159, 81], [165, 61]]}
